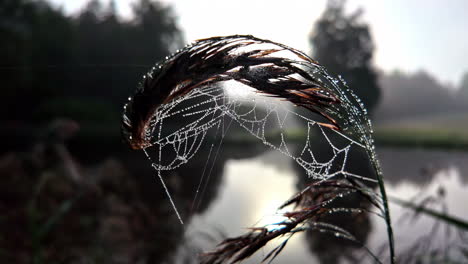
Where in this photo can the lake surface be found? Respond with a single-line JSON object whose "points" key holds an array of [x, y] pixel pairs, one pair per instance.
{"points": [[119, 204], [251, 188]]}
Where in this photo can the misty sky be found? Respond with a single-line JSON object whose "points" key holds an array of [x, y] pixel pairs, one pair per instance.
{"points": [[409, 35]]}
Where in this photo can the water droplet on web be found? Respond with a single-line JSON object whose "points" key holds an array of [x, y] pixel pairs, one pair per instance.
{"points": [[342, 80]]}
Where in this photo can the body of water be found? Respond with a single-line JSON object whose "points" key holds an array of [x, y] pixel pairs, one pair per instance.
{"points": [[253, 188], [124, 210]]}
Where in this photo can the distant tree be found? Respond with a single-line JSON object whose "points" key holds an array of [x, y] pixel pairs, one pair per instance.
{"points": [[155, 31], [51, 62], [122, 50], [99, 46], [419, 94], [16, 18], [97, 28], [34, 37], [343, 44], [463, 92], [464, 85]]}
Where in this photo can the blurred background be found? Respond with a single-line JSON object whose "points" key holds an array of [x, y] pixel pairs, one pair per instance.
{"points": [[72, 192]]}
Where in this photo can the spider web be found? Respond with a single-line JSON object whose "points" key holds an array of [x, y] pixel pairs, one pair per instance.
{"points": [[213, 113], [183, 125]]}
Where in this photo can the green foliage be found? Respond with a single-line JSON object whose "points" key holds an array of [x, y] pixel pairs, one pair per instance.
{"points": [[422, 138], [463, 90], [83, 110], [343, 44], [31, 34], [41, 225], [47, 55]]}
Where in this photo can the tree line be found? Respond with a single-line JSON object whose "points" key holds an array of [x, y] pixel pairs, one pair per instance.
{"points": [[82, 65], [419, 95]]}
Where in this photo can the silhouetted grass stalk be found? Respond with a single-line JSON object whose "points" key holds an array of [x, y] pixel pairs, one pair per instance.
{"points": [[376, 165], [310, 205], [452, 220]]}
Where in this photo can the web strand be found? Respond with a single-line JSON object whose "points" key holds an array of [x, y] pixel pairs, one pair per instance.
{"points": [[165, 189]]}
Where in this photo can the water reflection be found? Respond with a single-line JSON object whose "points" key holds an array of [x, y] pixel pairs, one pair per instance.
{"points": [[119, 205], [418, 166], [255, 187], [240, 199], [436, 180], [162, 234], [104, 207], [327, 247]]}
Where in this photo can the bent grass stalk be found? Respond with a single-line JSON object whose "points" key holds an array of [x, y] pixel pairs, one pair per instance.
{"points": [[202, 67]]}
